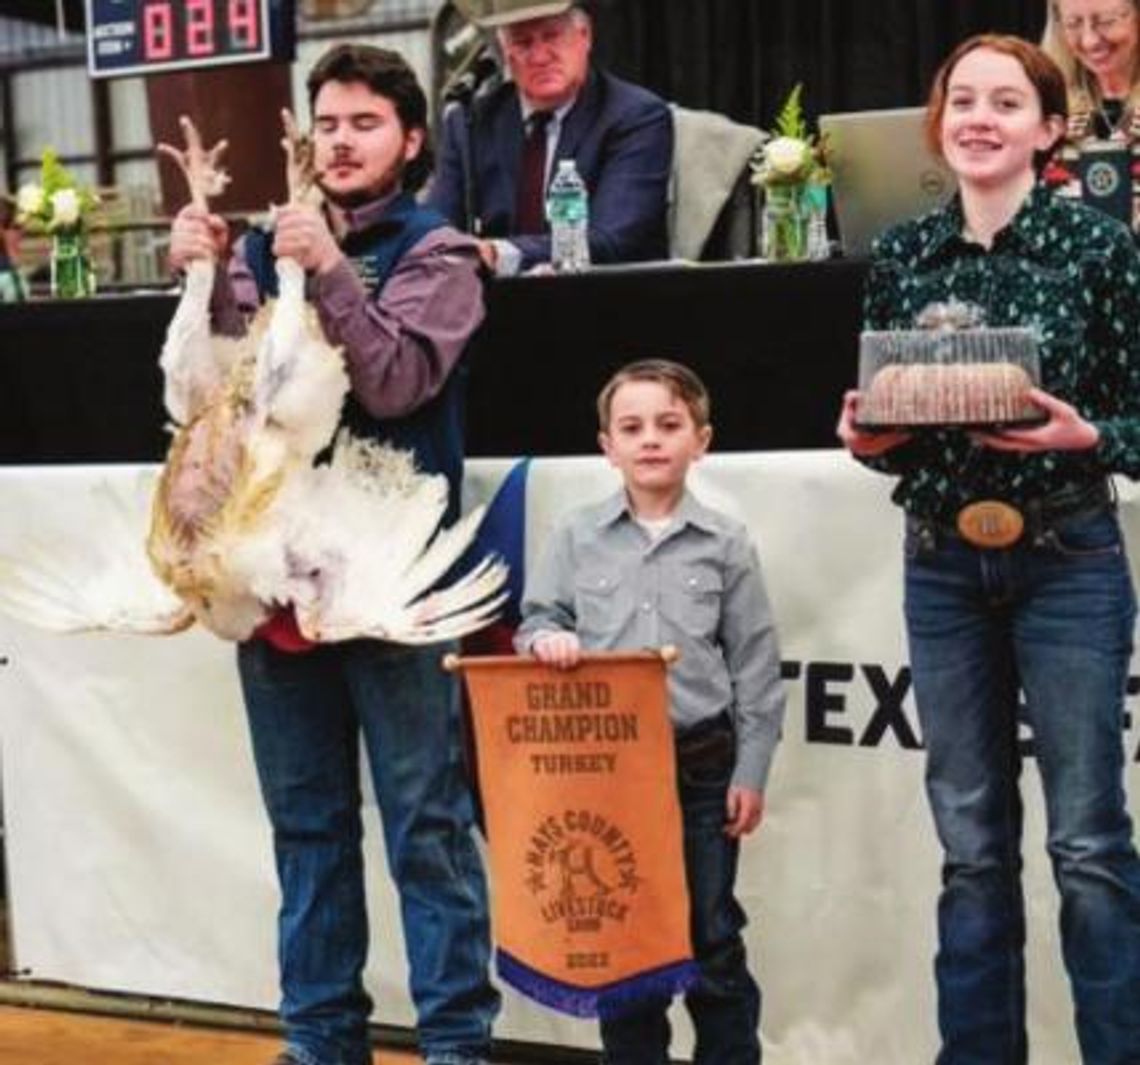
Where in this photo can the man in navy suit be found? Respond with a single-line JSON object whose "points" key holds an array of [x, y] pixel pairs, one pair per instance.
{"points": [[619, 135]]}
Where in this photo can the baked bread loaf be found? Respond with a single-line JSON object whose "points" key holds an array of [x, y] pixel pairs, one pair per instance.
{"points": [[974, 377]]}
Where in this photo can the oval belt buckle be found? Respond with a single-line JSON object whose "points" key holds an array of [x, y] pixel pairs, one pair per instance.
{"points": [[990, 523]]}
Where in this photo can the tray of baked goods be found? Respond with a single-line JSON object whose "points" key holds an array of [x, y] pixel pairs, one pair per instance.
{"points": [[949, 372]]}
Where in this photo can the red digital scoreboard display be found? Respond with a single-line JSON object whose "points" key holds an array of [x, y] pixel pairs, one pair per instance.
{"points": [[144, 36]]}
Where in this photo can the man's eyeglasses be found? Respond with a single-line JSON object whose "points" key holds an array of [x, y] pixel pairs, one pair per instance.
{"points": [[1101, 25]]}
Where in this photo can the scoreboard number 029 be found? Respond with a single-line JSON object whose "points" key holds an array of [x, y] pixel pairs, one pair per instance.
{"points": [[199, 27], [128, 37]]}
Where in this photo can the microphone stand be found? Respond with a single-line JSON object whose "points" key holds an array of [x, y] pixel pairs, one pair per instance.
{"points": [[466, 85]]}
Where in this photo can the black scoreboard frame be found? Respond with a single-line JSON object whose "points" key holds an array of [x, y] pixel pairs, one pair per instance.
{"points": [[159, 36]]}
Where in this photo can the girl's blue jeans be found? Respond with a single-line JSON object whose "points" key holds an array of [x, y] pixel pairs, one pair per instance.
{"points": [[1050, 620]]}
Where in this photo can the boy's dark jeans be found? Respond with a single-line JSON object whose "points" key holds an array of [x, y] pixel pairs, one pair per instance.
{"points": [[725, 1002]]}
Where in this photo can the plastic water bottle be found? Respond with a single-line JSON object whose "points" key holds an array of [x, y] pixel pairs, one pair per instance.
{"points": [[818, 246], [567, 211], [814, 202]]}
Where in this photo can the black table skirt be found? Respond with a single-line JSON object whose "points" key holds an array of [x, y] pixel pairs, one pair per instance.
{"points": [[776, 345]]}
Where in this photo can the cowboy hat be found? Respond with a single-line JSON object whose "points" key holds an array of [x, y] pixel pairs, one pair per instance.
{"points": [[488, 14]]}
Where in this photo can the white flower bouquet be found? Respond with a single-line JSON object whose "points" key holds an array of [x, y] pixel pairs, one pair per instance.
{"points": [[792, 169], [794, 156], [56, 203], [59, 207]]}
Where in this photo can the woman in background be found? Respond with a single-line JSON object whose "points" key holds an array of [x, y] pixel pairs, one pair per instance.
{"points": [[1044, 610], [1096, 43]]}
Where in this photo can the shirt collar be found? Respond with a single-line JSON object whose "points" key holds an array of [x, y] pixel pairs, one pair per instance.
{"points": [[368, 214], [690, 511], [1021, 234], [556, 116]]}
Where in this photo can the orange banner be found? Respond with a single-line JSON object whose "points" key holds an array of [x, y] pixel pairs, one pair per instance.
{"points": [[591, 911]]}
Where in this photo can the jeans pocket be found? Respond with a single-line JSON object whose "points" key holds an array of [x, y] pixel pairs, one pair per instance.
{"points": [[919, 541], [707, 757], [261, 665], [1091, 536]]}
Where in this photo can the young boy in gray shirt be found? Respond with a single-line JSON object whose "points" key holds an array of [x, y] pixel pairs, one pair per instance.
{"points": [[651, 566]]}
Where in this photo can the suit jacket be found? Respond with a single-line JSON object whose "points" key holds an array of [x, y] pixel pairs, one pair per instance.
{"points": [[621, 139]]}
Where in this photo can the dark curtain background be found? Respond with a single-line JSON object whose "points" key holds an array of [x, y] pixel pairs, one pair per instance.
{"points": [[741, 57]]}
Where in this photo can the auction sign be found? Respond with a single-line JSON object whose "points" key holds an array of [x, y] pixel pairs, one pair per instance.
{"points": [[148, 36]]}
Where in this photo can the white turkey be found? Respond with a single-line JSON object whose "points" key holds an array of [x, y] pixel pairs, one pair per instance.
{"points": [[244, 523]]}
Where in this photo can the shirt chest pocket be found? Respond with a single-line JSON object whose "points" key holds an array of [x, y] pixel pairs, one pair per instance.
{"points": [[1048, 299], [691, 596], [598, 604]]}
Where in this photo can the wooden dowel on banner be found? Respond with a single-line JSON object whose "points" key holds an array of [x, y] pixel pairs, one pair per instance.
{"points": [[454, 663]]}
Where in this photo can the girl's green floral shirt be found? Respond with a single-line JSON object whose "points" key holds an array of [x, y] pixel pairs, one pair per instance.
{"points": [[1073, 275]]}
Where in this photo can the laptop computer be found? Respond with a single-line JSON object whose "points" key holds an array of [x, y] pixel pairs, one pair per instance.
{"points": [[882, 172]]}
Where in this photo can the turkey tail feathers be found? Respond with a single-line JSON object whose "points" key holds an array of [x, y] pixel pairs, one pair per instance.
{"points": [[99, 581]]}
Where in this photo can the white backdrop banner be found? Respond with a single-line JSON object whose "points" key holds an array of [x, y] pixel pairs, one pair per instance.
{"points": [[139, 858]]}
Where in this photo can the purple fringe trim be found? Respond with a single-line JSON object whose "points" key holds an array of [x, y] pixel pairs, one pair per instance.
{"points": [[609, 1000]]}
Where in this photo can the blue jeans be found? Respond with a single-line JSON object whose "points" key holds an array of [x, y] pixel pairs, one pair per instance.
{"points": [[725, 1002], [1051, 617], [307, 715]]}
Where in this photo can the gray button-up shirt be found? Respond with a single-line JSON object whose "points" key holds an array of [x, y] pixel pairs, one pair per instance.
{"points": [[698, 586]]}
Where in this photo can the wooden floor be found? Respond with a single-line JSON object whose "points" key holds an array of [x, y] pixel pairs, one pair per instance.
{"points": [[54, 1037]]}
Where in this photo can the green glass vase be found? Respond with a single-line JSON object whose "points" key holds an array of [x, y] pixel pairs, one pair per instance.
{"points": [[71, 274], [783, 234]]}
